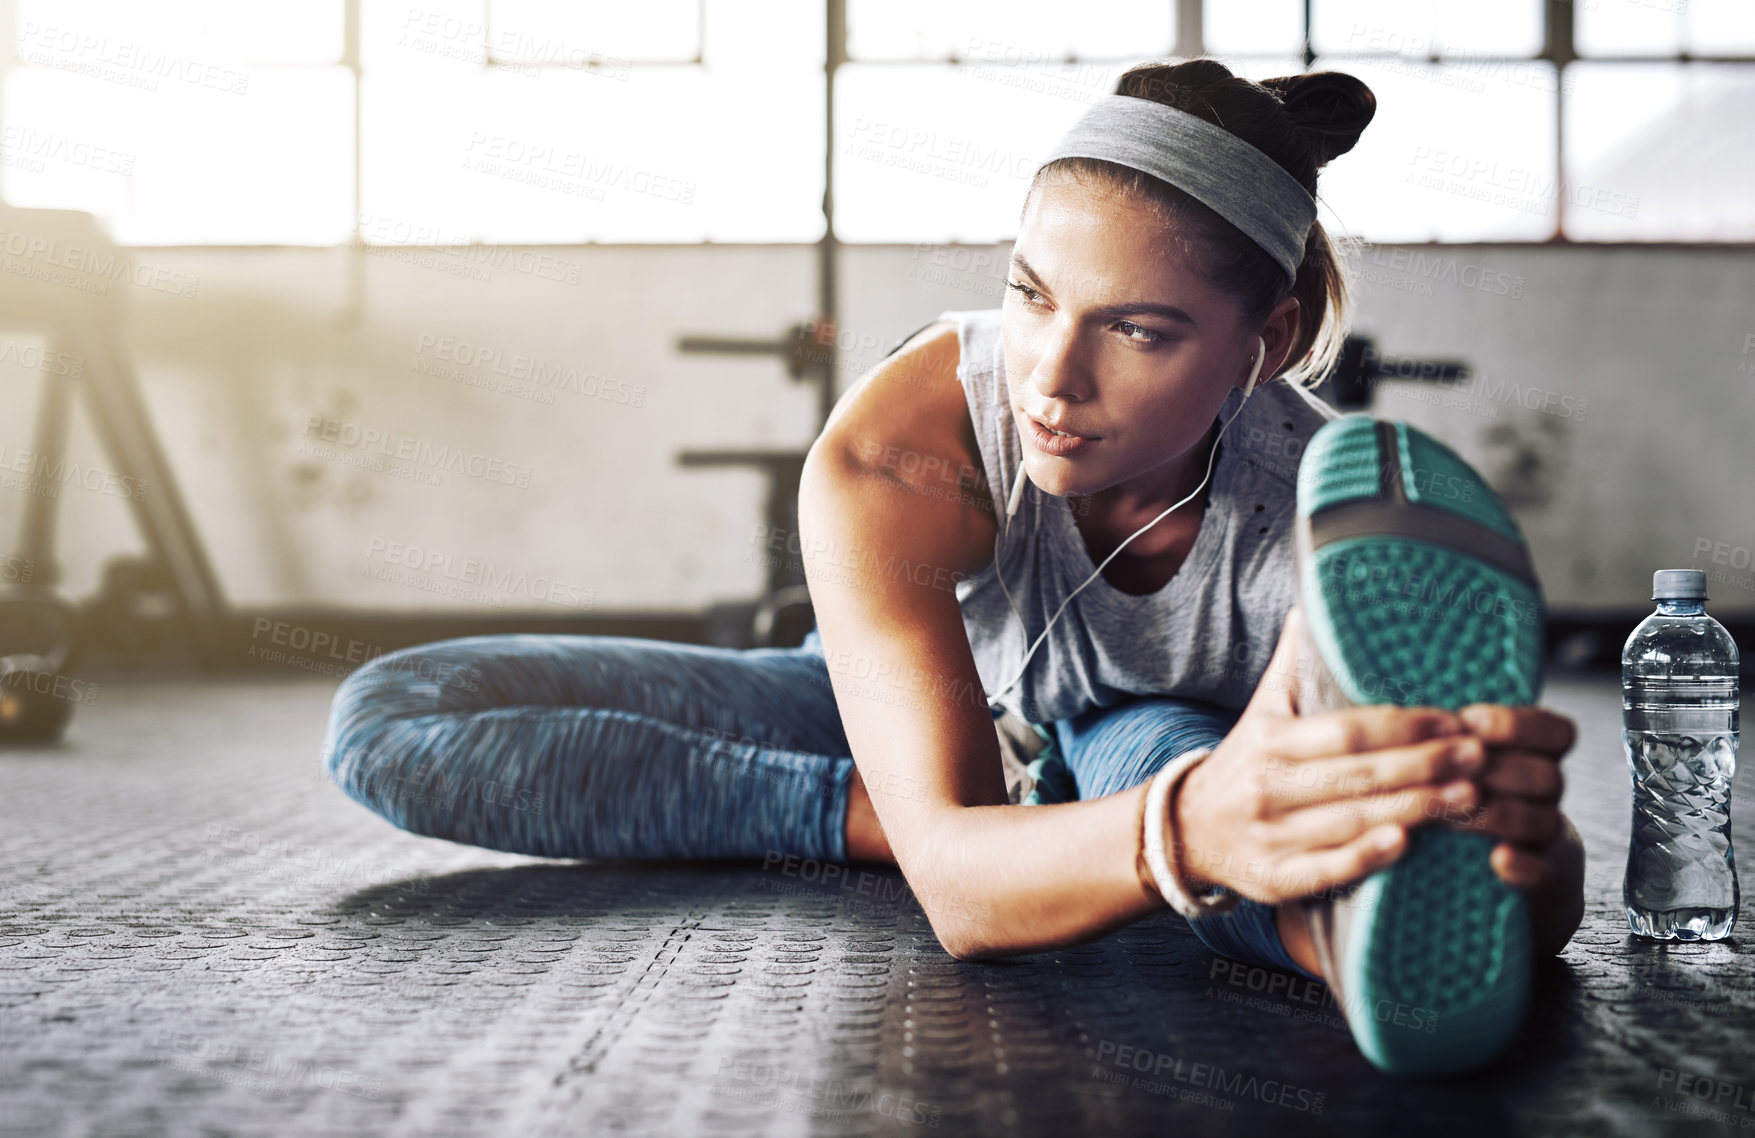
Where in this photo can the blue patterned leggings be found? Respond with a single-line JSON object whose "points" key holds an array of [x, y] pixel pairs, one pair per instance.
{"points": [[574, 746]]}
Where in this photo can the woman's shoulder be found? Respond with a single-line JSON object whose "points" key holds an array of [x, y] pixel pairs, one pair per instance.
{"points": [[907, 419]]}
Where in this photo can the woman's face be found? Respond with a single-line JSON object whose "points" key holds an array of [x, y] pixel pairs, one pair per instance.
{"points": [[1108, 334]]}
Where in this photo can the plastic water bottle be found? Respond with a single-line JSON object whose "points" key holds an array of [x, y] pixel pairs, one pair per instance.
{"points": [[1679, 690]]}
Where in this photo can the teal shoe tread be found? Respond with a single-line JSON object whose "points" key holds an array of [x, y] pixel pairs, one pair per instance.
{"points": [[1434, 475], [1410, 622], [1440, 959], [1340, 464], [1438, 939]]}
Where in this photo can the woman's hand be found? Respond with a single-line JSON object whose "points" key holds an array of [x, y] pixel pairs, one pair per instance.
{"points": [[1288, 805], [1522, 784], [1297, 806]]}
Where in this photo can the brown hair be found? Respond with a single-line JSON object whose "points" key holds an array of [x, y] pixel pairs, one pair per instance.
{"points": [[1301, 122]]}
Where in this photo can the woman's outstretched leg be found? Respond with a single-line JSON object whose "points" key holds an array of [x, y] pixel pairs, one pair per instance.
{"points": [[599, 747]]}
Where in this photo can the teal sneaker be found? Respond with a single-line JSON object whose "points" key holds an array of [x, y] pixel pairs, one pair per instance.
{"points": [[1418, 590]]}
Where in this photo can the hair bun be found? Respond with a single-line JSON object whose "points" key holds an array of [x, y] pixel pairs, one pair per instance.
{"points": [[1331, 109]]}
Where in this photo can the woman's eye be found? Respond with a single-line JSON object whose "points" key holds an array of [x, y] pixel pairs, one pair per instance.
{"points": [[1030, 294], [1155, 337]]}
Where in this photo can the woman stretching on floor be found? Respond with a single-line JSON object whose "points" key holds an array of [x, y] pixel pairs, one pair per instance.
{"points": [[1200, 693]]}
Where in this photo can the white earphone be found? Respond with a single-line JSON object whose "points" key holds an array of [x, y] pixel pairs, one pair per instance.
{"points": [[1017, 495]]}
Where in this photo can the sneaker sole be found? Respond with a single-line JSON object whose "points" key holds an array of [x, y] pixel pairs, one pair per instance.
{"points": [[1419, 591]]}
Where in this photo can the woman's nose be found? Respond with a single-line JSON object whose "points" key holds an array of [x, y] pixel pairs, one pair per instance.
{"points": [[1059, 371]]}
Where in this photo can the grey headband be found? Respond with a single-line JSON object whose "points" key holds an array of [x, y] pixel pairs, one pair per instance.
{"points": [[1214, 166]]}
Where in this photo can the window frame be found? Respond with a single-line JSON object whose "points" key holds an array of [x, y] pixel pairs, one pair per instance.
{"points": [[1558, 49]]}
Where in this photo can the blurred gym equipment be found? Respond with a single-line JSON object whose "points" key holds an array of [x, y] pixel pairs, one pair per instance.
{"points": [[65, 289]]}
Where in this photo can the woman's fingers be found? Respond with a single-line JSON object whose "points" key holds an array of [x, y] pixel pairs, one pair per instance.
{"points": [[1303, 801], [1528, 773], [1317, 871], [1289, 785], [1528, 728], [1353, 730], [1376, 726], [1521, 868], [1519, 820], [1335, 823], [1333, 867]]}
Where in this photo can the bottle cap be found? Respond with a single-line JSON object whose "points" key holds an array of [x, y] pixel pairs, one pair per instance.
{"points": [[1678, 585]]}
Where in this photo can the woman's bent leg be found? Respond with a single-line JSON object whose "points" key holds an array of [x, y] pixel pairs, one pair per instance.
{"points": [[598, 747], [1109, 749]]}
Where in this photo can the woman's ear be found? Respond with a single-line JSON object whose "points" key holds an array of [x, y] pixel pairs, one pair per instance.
{"points": [[1280, 330]]}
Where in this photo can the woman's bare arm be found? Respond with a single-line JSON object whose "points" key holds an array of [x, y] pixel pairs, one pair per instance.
{"points": [[891, 514]]}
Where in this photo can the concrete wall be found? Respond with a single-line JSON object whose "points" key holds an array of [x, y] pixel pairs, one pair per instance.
{"points": [[1611, 404]]}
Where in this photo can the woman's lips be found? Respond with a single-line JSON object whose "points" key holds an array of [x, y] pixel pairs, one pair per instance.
{"points": [[1048, 442]]}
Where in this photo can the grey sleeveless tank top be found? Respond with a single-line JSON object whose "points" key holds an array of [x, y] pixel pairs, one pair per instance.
{"points": [[1207, 635]]}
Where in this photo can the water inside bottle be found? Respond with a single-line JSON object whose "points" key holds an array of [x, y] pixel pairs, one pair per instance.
{"points": [[1680, 735]]}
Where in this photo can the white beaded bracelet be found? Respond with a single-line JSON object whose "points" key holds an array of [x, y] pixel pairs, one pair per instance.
{"points": [[1156, 822]]}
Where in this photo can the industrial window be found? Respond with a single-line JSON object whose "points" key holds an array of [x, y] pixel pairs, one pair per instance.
{"points": [[214, 122], [190, 122]]}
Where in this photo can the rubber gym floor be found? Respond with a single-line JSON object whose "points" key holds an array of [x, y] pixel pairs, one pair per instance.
{"points": [[200, 935]]}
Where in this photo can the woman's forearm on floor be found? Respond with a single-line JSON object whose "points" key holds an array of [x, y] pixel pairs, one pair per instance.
{"points": [[998, 881], [1001, 880]]}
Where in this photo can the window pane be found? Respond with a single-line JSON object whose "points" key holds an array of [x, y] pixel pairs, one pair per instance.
{"points": [[269, 163], [1403, 26], [1453, 154], [1627, 27], [788, 34], [1027, 31], [1257, 28], [177, 40], [452, 34], [1422, 28], [441, 35], [674, 154], [1661, 152], [68, 143], [1720, 27], [934, 153], [1489, 27], [561, 31]]}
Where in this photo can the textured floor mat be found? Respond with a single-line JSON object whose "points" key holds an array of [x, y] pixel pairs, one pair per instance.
{"points": [[198, 935]]}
